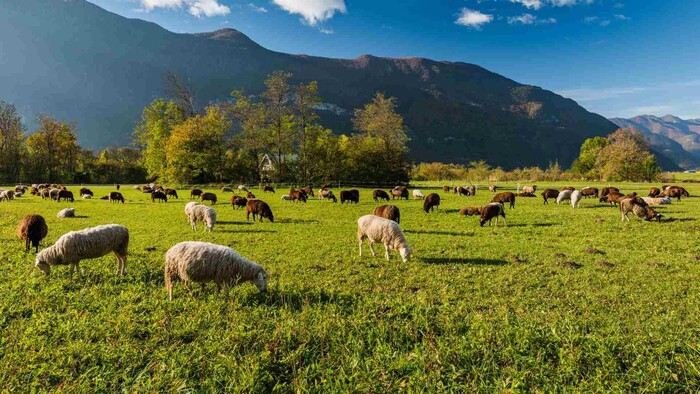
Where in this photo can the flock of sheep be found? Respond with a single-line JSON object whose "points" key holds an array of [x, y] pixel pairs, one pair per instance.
{"points": [[202, 262]]}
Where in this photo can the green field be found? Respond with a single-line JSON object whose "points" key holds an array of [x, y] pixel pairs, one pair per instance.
{"points": [[476, 309]]}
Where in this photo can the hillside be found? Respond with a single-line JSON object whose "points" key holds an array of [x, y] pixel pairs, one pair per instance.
{"points": [[78, 62]]}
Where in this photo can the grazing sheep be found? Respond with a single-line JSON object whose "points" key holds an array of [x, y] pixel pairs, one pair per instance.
{"points": [[171, 193], [115, 197], [208, 197], [607, 190], [379, 195], [390, 212], [490, 211], [189, 206], [417, 194], [34, 191], [493, 188], [250, 195], [352, 195], [286, 197], [564, 195], [7, 195], [89, 243], [589, 192], [203, 262], [147, 189], [84, 190], [576, 197], [639, 207], [430, 202], [137, 187], [459, 190], [160, 196], [324, 194], [32, 229], [388, 232], [675, 191], [469, 211], [297, 195], [654, 192], [530, 189], [201, 213], [45, 193], [308, 190], [614, 198], [86, 196], [446, 189], [657, 200], [399, 192], [242, 188], [66, 213], [258, 207], [18, 194], [238, 201], [268, 188], [64, 195], [471, 190], [195, 193], [225, 189], [505, 197]]}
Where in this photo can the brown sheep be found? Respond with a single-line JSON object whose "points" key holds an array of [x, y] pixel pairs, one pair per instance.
{"points": [[490, 211], [238, 201], [309, 191], [549, 193], [64, 195], [590, 192], [114, 197], [327, 194], [675, 191], [607, 190], [352, 195], [390, 212], [297, 195], [379, 195], [446, 189], [147, 189], [208, 197], [469, 211], [171, 192], [250, 195], [83, 191], [505, 197], [613, 198], [530, 189], [258, 207], [268, 188], [32, 229], [471, 190], [195, 193], [45, 193], [431, 201], [160, 196], [639, 207], [654, 192], [399, 192], [34, 191], [459, 190]]}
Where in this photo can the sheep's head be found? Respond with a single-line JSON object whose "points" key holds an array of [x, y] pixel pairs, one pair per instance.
{"points": [[44, 266], [405, 254], [260, 280]]}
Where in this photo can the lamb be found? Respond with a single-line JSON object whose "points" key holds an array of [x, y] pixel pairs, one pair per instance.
{"points": [[530, 189], [388, 232], [66, 213], [64, 195], [160, 196], [242, 188], [431, 201], [390, 212], [195, 193], [469, 211], [115, 197], [203, 262], [238, 201], [639, 207], [564, 195], [258, 207], [379, 195], [352, 195], [208, 197], [224, 189], [268, 188], [654, 192], [505, 197], [589, 192], [286, 197], [201, 213], [576, 197], [32, 229], [657, 200], [89, 243], [490, 211], [417, 194], [171, 193]]}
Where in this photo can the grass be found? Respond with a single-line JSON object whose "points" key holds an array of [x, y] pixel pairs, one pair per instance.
{"points": [[477, 309]]}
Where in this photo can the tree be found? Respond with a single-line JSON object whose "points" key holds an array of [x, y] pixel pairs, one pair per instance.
{"points": [[280, 119], [626, 157], [182, 95], [305, 99], [152, 133], [53, 151], [11, 143], [586, 162]]}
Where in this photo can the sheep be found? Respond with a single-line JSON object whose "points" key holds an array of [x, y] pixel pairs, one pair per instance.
{"points": [[7, 195], [260, 208], [203, 262], [86, 196], [189, 206], [505, 197], [66, 213], [379, 195], [297, 195], [286, 197], [208, 197], [388, 232], [446, 189], [493, 188], [45, 193], [490, 211], [147, 189], [614, 198], [525, 194], [469, 211], [268, 188], [399, 192], [607, 190], [238, 201], [417, 194], [308, 190], [195, 193], [250, 195], [137, 187], [225, 189], [430, 202], [590, 192], [675, 191], [201, 213], [118, 186], [567, 188], [576, 197], [84, 190], [352, 195], [34, 191], [242, 188], [639, 207], [160, 196], [564, 195], [64, 195], [89, 243], [32, 229], [657, 200], [654, 192], [115, 197], [171, 193], [390, 212], [327, 194], [18, 194], [459, 190], [471, 190], [530, 189]]}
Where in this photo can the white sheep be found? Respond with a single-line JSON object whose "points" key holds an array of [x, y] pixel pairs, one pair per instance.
{"points": [[286, 197], [388, 232], [87, 196], [204, 262], [7, 195], [89, 243], [418, 194], [242, 188], [202, 213], [18, 194], [137, 187], [226, 189], [576, 197], [66, 213], [657, 200], [188, 206], [564, 195]]}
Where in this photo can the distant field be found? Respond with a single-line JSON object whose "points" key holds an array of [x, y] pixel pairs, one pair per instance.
{"points": [[476, 309]]}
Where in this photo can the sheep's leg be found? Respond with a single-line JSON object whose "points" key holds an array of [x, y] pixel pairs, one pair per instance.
{"points": [[386, 252], [26, 246], [360, 247], [371, 248], [169, 286], [504, 220]]}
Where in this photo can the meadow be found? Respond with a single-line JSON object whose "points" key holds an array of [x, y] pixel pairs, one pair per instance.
{"points": [[560, 300]]}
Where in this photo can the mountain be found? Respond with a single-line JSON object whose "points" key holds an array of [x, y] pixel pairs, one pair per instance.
{"points": [[78, 62], [674, 137]]}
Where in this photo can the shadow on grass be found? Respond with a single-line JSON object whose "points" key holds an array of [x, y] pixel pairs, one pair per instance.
{"points": [[300, 221], [527, 225], [232, 222], [437, 232], [678, 219], [295, 300], [447, 260], [245, 231]]}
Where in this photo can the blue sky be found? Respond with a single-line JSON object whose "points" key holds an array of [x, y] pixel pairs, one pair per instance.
{"points": [[614, 57]]}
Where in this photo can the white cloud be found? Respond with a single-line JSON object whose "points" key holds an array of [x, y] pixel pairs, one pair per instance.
{"points": [[256, 8], [534, 4], [313, 11], [197, 8], [326, 31], [529, 19], [473, 18], [621, 17]]}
